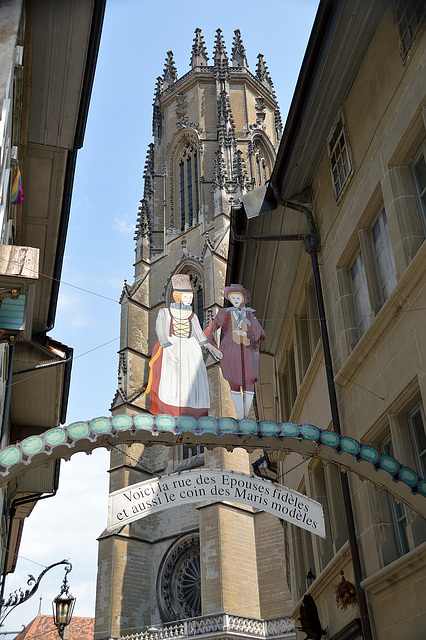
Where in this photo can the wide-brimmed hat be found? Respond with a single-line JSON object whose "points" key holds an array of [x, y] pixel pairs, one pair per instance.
{"points": [[236, 288], [182, 283]]}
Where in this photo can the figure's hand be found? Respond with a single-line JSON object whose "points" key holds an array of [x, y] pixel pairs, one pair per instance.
{"points": [[217, 354], [172, 355]]}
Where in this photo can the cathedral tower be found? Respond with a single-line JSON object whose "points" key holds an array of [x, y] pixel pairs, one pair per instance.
{"points": [[216, 131]]}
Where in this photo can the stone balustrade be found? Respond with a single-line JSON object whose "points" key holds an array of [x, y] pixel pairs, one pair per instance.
{"points": [[221, 624]]}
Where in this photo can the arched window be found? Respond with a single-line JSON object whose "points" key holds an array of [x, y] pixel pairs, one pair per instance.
{"points": [[261, 164], [188, 186]]}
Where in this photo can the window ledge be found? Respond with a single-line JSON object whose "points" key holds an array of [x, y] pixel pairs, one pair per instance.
{"points": [[388, 316], [403, 567]]}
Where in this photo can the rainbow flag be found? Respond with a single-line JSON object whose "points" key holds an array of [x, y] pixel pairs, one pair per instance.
{"points": [[18, 194]]}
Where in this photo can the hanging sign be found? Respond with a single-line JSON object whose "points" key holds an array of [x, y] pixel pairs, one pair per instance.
{"points": [[145, 498]]}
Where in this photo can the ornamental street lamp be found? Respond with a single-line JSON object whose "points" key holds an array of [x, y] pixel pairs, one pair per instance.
{"points": [[63, 606], [19, 596]]}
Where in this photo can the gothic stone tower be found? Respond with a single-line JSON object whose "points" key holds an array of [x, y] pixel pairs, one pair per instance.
{"points": [[216, 132]]}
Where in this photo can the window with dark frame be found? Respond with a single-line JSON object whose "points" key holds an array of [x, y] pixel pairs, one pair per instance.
{"points": [[182, 195], [409, 17], [340, 157], [188, 187], [190, 452]]}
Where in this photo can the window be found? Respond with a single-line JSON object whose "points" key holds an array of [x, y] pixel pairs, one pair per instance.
{"points": [[302, 556], [383, 255], [184, 197], [287, 385], [307, 332], [409, 16], [404, 439], [325, 487], [360, 295], [417, 424], [398, 512], [190, 452], [260, 166], [340, 157], [419, 173]]}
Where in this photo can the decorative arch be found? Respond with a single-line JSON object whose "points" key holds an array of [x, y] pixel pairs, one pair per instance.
{"points": [[261, 158], [184, 179], [308, 440]]}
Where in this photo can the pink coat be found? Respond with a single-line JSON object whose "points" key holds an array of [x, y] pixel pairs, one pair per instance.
{"points": [[240, 363]]}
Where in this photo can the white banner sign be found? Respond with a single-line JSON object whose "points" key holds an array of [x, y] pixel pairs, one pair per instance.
{"points": [[151, 496]]}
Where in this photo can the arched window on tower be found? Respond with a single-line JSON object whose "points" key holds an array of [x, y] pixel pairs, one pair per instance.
{"points": [[261, 166], [188, 186]]}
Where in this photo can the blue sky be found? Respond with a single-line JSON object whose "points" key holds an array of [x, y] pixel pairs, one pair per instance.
{"points": [[100, 247]]}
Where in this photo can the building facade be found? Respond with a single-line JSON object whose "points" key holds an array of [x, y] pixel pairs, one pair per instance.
{"points": [[352, 162], [216, 567], [48, 54]]}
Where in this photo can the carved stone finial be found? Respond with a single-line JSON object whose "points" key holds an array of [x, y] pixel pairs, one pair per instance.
{"points": [[199, 54], [239, 58], [262, 74], [170, 71]]}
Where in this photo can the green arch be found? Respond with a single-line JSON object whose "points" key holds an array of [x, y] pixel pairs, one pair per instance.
{"points": [[404, 483]]}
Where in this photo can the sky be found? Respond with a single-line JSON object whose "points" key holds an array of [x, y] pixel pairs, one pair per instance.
{"points": [[99, 253]]}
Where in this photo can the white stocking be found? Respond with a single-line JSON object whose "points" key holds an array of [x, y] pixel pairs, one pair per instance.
{"points": [[237, 399], [248, 400]]}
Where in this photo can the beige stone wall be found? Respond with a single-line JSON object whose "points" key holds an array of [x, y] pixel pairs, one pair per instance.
{"points": [[382, 374]]}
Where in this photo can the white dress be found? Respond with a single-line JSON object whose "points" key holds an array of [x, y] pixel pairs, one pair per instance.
{"points": [[183, 383]]}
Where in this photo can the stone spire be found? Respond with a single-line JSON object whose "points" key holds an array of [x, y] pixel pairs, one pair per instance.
{"points": [[262, 74], [239, 58], [199, 54], [170, 71], [156, 112]]}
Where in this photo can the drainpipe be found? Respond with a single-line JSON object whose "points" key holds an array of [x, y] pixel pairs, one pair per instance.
{"points": [[312, 244]]}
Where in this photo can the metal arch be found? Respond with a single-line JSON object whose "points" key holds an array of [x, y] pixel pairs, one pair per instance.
{"points": [[306, 439]]}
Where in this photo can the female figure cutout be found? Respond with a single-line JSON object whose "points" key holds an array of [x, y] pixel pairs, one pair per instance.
{"points": [[178, 382]]}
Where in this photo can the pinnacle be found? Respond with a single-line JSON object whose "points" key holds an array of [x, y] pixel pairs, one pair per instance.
{"points": [[220, 54], [170, 71], [198, 54], [262, 73], [239, 58]]}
